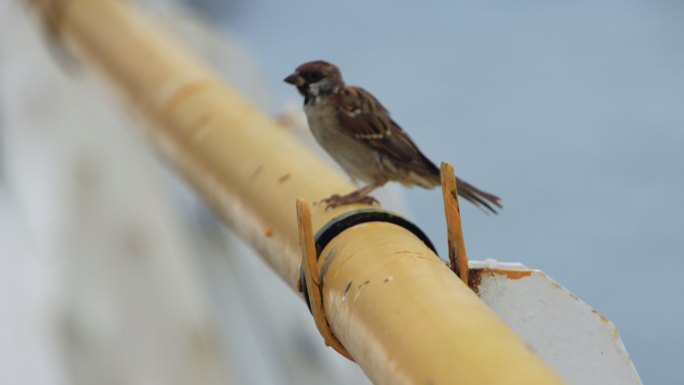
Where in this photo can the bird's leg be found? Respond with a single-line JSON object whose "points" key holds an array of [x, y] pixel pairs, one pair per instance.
{"points": [[357, 196]]}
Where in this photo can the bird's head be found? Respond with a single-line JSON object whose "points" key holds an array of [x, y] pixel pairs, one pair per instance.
{"points": [[316, 78]]}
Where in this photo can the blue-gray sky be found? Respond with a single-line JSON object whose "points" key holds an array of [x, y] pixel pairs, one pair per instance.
{"points": [[573, 112]]}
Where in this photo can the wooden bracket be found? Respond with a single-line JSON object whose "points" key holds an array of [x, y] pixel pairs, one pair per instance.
{"points": [[312, 277], [457, 251]]}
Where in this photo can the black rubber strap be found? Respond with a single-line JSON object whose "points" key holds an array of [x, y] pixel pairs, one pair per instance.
{"points": [[340, 223]]}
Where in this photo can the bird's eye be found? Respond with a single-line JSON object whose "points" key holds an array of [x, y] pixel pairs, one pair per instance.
{"points": [[315, 76]]}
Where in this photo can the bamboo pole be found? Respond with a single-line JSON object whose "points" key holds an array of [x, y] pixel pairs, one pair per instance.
{"points": [[396, 308]]}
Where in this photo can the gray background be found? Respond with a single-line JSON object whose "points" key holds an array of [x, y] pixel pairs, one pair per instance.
{"points": [[571, 111]]}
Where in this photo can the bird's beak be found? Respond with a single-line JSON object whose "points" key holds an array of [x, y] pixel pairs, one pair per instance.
{"points": [[294, 79]]}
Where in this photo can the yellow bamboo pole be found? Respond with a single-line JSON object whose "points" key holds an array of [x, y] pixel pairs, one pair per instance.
{"points": [[388, 299], [396, 308], [249, 168]]}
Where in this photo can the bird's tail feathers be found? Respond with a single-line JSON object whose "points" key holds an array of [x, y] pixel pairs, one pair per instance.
{"points": [[479, 198]]}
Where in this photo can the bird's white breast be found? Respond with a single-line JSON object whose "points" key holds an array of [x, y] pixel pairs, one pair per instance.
{"points": [[353, 156]]}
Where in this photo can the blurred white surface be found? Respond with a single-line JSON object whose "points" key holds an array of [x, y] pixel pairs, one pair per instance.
{"points": [[581, 345], [112, 271]]}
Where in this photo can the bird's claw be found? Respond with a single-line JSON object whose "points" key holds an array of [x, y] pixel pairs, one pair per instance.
{"points": [[337, 200]]}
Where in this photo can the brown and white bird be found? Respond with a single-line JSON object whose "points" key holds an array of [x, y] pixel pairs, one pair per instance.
{"points": [[358, 132]]}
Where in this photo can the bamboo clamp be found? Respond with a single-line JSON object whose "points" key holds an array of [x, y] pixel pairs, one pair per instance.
{"points": [[457, 252], [311, 246], [312, 277]]}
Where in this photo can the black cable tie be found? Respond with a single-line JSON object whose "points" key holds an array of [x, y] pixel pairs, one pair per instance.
{"points": [[350, 219]]}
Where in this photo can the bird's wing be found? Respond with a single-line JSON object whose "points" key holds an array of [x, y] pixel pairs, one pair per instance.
{"points": [[366, 120]]}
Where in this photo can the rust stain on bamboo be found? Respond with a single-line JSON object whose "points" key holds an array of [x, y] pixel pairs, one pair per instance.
{"points": [[256, 172], [284, 178], [358, 290], [183, 92], [408, 252], [346, 291], [198, 130]]}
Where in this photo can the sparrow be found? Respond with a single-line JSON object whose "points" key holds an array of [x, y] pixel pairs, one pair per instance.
{"points": [[360, 135]]}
